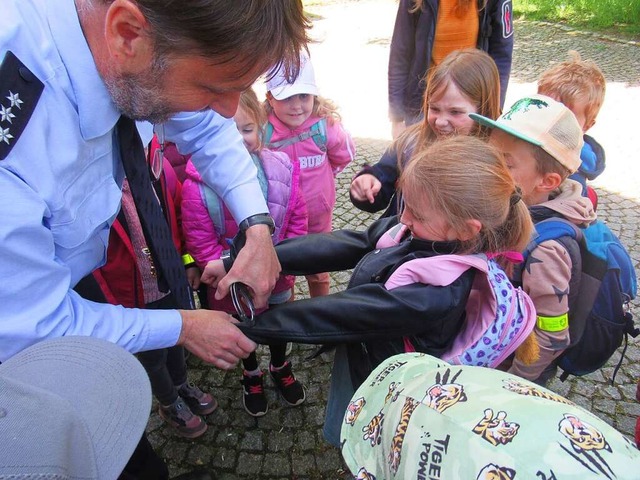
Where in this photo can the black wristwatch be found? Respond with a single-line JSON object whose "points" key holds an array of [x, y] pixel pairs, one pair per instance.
{"points": [[258, 219]]}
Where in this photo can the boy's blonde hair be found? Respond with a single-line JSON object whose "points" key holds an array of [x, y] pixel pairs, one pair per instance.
{"points": [[476, 75], [575, 80], [467, 179], [253, 107]]}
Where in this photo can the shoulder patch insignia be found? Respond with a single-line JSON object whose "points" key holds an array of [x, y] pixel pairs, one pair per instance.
{"points": [[20, 91]]}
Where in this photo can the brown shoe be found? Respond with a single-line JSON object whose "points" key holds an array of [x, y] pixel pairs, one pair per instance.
{"points": [[182, 420]]}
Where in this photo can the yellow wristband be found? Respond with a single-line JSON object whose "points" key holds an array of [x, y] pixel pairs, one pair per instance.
{"points": [[187, 259], [553, 324]]}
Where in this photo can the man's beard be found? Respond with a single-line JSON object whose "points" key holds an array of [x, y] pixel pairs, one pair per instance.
{"points": [[141, 97]]}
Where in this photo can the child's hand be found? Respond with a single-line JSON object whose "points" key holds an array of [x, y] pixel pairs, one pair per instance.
{"points": [[193, 277], [213, 272], [365, 187]]}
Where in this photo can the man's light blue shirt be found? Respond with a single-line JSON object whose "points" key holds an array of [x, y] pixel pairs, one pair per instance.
{"points": [[60, 187]]}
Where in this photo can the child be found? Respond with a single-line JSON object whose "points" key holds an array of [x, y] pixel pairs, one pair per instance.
{"points": [[580, 85], [541, 140], [450, 212], [426, 31], [465, 82], [307, 128], [209, 228], [129, 279]]}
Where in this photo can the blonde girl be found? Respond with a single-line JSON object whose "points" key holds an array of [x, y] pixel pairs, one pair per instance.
{"points": [[307, 128], [389, 307]]}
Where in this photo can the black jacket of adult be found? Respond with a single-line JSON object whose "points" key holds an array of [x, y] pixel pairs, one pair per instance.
{"points": [[411, 46], [370, 319]]}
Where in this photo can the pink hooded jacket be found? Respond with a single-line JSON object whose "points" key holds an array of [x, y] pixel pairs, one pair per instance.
{"points": [[317, 168], [286, 206]]}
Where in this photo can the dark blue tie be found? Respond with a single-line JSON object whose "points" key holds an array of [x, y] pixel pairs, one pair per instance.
{"points": [[171, 273]]}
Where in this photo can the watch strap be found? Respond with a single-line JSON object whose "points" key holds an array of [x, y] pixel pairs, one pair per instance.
{"points": [[258, 219]]}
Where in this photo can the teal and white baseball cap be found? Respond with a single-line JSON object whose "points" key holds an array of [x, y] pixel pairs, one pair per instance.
{"points": [[417, 416], [544, 122]]}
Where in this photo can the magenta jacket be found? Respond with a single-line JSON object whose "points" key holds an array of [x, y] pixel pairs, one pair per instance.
{"points": [[317, 168], [286, 206]]}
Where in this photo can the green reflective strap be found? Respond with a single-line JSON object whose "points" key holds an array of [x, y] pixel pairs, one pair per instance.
{"points": [[553, 324]]}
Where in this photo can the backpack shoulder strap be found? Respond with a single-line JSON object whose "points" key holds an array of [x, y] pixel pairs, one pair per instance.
{"points": [[267, 134], [440, 271], [320, 133], [317, 131], [214, 207], [554, 228]]}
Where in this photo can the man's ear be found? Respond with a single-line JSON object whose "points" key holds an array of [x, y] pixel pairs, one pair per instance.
{"points": [[127, 37]]}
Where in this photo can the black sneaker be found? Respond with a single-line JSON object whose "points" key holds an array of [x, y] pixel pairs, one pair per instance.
{"points": [[291, 389], [199, 402], [253, 398]]}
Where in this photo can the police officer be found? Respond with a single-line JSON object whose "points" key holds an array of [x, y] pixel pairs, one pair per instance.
{"points": [[70, 70]]}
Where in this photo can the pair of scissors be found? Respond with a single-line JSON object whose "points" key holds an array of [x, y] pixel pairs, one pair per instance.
{"points": [[243, 303]]}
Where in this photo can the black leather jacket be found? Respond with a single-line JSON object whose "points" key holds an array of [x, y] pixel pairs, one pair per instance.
{"points": [[369, 318]]}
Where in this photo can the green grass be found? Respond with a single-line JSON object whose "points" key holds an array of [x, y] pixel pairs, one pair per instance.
{"points": [[618, 17]]}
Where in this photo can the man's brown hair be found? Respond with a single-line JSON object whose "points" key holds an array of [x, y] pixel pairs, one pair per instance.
{"points": [[245, 32]]}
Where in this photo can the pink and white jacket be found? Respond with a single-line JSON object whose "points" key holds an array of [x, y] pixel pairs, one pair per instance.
{"points": [[286, 206], [317, 168]]}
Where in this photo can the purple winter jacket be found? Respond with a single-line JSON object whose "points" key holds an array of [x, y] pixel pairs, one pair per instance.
{"points": [[286, 206]]}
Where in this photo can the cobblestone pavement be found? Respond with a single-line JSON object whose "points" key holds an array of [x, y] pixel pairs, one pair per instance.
{"points": [[351, 60]]}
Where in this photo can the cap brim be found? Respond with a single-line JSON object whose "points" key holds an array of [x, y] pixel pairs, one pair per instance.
{"points": [[107, 386], [487, 122], [285, 91]]}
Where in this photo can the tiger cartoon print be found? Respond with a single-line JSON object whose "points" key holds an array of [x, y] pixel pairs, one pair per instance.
{"points": [[444, 393], [496, 430], [587, 443], [583, 436], [515, 386], [393, 393], [364, 475], [353, 410], [395, 451], [494, 472], [373, 430]]}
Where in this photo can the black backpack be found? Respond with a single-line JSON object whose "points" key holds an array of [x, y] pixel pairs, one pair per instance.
{"points": [[603, 282]]}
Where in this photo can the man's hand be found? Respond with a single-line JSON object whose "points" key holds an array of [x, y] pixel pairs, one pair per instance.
{"points": [[365, 187], [213, 337], [256, 266], [213, 272]]}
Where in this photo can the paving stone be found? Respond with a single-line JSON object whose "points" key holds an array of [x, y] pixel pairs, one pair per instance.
{"points": [[276, 464]]}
